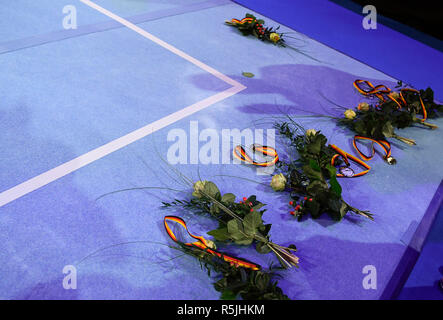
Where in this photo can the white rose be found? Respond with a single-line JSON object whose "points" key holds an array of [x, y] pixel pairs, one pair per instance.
{"points": [[278, 182], [198, 186], [350, 114], [310, 132]]}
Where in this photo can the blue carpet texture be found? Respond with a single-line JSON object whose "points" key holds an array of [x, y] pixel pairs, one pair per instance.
{"points": [[64, 97]]}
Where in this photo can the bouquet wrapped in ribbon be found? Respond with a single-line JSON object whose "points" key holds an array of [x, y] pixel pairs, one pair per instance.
{"points": [[250, 25], [238, 277], [312, 178], [392, 110], [239, 222]]}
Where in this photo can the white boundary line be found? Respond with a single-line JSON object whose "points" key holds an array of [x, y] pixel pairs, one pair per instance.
{"points": [[100, 152]]}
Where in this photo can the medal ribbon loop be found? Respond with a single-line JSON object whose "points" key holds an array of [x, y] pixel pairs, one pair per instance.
{"points": [[346, 156], [242, 21], [240, 153], [385, 145], [382, 92], [202, 244]]}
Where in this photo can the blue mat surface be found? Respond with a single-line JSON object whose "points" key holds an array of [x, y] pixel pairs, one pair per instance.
{"points": [[64, 98], [383, 48]]}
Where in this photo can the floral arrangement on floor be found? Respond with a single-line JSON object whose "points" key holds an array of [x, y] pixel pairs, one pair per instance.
{"points": [[239, 222], [312, 178], [250, 25], [237, 277], [391, 110]]}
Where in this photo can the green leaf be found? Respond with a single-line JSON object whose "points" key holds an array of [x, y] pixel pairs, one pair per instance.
{"points": [[236, 232], [252, 222], [335, 186], [248, 74], [311, 173], [315, 187], [220, 234], [244, 241], [335, 205], [314, 165], [234, 227], [315, 146], [313, 208], [262, 248], [211, 189], [344, 209], [228, 295], [228, 198], [214, 209], [258, 206], [388, 130]]}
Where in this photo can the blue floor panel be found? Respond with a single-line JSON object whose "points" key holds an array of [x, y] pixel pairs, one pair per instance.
{"points": [[64, 98], [423, 282]]}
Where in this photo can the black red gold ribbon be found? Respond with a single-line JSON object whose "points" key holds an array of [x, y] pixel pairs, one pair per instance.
{"points": [[385, 145], [242, 21], [202, 244], [379, 91], [240, 153], [346, 156], [383, 93]]}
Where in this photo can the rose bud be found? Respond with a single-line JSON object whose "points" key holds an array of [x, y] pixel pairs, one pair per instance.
{"points": [[278, 182], [198, 186], [363, 106], [350, 114], [311, 132], [274, 37]]}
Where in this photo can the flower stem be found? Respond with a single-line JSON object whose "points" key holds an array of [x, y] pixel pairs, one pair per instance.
{"points": [[288, 258], [427, 124], [365, 214], [405, 140]]}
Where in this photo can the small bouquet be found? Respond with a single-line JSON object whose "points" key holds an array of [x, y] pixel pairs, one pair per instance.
{"points": [[249, 25], [239, 222], [237, 277], [312, 178], [392, 110]]}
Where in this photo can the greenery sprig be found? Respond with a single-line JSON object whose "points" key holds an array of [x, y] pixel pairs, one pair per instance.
{"points": [[238, 281], [239, 222], [311, 178]]}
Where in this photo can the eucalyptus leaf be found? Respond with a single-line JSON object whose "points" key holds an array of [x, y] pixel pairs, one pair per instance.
{"points": [[248, 74], [228, 198], [211, 189], [252, 222], [388, 130], [220, 234], [235, 229]]}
